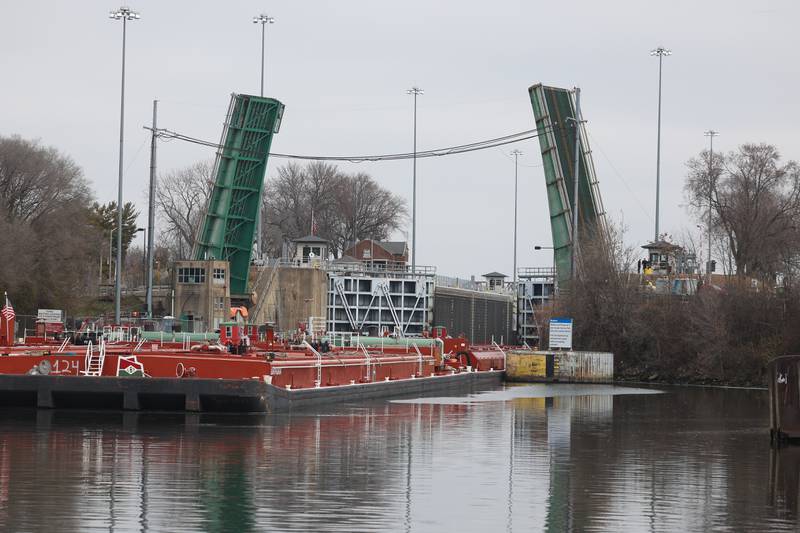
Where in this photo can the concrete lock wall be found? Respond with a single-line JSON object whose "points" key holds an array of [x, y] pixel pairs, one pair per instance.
{"points": [[576, 367], [296, 294]]}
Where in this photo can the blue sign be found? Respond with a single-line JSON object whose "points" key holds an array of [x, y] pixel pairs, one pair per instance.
{"points": [[560, 333]]}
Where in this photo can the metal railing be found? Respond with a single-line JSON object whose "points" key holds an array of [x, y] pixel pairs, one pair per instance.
{"points": [[505, 356], [367, 361], [536, 272], [419, 355], [473, 285], [318, 355], [63, 345], [390, 268]]}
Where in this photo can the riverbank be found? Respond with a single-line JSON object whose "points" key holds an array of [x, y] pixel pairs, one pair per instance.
{"points": [[652, 376], [719, 336]]}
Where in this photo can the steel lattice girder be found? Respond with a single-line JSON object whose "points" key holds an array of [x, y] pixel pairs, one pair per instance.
{"points": [[554, 111], [230, 221]]}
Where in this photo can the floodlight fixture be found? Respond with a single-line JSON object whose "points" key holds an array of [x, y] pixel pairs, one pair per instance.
{"points": [[124, 12]]}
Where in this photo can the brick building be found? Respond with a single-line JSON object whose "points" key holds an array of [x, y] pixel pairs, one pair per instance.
{"points": [[379, 252]]}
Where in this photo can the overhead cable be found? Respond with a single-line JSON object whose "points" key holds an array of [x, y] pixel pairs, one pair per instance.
{"points": [[452, 150]]}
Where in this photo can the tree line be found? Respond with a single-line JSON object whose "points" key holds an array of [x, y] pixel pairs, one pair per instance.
{"points": [[728, 331], [344, 207], [58, 243]]}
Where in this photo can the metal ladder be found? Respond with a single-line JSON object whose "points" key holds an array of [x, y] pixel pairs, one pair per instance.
{"points": [[534, 322], [95, 362]]}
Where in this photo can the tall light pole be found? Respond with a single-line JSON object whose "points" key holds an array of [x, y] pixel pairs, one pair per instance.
{"points": [[416, 91], [516, 154], [263, 20], [710, 134], [660, 52], [124, 14]]}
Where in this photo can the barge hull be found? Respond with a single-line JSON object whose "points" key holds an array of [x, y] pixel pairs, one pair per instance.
{"points": [[200, 395]]}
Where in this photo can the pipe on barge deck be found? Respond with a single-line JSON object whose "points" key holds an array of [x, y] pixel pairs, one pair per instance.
{"points": [[200, 395]]}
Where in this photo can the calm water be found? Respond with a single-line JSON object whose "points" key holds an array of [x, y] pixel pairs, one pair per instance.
{"points": [[520, 458]]}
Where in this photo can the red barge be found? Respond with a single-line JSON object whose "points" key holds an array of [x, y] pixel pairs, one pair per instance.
{"points": [[232, 373]]}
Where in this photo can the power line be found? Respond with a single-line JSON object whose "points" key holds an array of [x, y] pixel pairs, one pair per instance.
{"points": [[169, 135]]}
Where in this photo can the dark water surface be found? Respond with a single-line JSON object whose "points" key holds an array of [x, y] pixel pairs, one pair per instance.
{"points": [[519, 458]]}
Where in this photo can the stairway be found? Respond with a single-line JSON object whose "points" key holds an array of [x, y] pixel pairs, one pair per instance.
{"points": [[95, 361]]}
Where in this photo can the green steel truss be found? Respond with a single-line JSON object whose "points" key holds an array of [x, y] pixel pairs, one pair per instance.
{"points": [[230, 221], [554, 111]]}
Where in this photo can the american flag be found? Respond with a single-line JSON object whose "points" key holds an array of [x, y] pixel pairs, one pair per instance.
{"points": [[8, 310]]}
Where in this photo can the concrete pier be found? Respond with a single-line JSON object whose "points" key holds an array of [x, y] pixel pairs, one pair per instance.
{"points": [[567, 366]]}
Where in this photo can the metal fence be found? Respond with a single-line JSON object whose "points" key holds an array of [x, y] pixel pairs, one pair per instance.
{"points": [[473, 285]]}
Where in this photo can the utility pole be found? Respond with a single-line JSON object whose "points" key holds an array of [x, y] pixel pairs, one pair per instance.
{"points": [[151, 215], [660, 52], [125, 14], [710, 134], [416, 91], [516, 154], [576, 180], [263, 20]]}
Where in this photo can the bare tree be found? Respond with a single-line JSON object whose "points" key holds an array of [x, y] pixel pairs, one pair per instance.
{"points": [[181, 201], [755, 204], [365, 210], [36, 180], [344, 207], [51, 250], [602, 298]]}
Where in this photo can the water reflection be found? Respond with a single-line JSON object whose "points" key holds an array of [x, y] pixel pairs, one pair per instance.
{"points": [[688, 459], [784, 472]]}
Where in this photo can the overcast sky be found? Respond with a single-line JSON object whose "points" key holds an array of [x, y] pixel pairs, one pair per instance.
{"points": [[342, 69]]}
